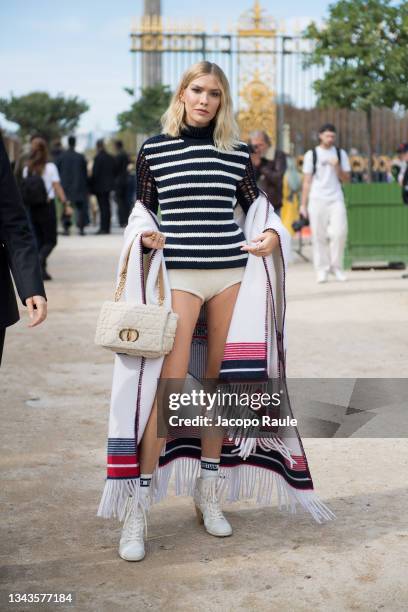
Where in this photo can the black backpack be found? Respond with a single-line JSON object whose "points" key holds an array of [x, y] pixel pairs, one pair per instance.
{"points": [[315, 158], [33, 191]]}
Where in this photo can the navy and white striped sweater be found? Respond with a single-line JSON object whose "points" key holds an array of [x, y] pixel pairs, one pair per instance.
{"points": [[196, 187]]}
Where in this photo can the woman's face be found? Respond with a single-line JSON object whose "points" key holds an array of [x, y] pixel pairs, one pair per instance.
{"points": [[202, 99]]}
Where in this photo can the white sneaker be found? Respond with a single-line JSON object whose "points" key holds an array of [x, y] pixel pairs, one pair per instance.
{"points": [[322, 276], [339, 274], [208, 508], [131, 545]]}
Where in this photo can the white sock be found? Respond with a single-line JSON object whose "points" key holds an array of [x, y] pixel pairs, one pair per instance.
{"points": [[145, 482], [209, 467]]}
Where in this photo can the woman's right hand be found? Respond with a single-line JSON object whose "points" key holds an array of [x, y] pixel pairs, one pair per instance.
{"points": [[153, 240]]}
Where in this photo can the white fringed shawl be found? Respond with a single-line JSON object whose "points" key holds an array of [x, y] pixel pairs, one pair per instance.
{"points": [[249, 467]]}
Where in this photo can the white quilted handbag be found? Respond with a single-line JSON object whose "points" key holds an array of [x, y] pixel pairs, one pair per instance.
{"points": [[138, 330]]}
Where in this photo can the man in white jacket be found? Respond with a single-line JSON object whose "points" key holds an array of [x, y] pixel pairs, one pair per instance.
{"points": [[324, 169]]}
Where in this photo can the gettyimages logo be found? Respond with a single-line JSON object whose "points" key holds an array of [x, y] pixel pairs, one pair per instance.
{"points": [[325, 407], [242, 410], [215, 409]]}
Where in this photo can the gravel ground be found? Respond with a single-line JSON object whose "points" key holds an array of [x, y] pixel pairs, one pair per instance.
{"points": [[55, 394]]}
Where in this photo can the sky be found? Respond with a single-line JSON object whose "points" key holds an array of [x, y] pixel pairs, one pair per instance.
{"points": [[81, 47]]}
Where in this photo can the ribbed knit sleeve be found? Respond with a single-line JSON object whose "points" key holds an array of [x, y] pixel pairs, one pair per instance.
{"points": [[146, 190], [247, 189]]}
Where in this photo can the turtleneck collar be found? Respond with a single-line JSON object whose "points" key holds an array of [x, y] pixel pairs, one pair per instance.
{"points": [[198, 132]]}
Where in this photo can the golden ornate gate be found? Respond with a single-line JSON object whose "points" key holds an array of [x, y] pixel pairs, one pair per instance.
{"points": [[247, 54]]}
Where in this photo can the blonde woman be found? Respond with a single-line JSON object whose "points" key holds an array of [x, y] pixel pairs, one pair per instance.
{"points": [[194, 170]]}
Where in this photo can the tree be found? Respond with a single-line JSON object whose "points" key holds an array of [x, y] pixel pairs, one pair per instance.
{"points": [[144, 115], [38, 112], [364, 45]]}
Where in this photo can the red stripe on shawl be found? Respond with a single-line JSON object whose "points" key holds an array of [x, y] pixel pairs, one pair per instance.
{"points": [[301, 463], [254, 350], [120, 459], [245, 344], [116, 472], [241, 354]]}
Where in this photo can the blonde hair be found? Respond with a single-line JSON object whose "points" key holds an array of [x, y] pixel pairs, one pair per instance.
{"points": [[226, 131]]}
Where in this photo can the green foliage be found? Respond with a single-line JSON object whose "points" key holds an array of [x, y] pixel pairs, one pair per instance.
{"points": [[144, 115], [38, 112], [364, 45]]}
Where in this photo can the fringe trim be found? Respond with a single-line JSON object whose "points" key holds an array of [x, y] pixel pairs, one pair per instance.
{"points": [[246, 438], [115, 495], [241, 482], [247, 446], [238, 483]]}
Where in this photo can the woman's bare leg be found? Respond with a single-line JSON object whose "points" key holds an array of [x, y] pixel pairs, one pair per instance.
{"points": [[175, 365], [219, 313]]}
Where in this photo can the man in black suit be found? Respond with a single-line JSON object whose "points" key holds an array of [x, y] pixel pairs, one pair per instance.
{"points": [[18, 254], [121, 183], [103, 174], [74, 180]]}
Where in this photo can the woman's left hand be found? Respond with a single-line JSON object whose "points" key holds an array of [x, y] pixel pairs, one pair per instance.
{"points": [[265, 243]]}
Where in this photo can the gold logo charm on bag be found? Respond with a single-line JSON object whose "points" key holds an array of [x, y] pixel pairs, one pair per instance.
{"points": [[128, 335]]}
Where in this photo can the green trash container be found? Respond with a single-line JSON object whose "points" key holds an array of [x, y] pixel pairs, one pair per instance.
{"points": [[377, 224]]}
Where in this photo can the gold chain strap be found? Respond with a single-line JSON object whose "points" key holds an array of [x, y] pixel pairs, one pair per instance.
{"points": [[123, 274], [160, 284]]}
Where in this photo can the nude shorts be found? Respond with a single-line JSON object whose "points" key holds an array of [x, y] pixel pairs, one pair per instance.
{"points": [[204, 283]]}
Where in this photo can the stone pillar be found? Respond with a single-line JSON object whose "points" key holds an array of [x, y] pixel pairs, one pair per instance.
{"points": [[151, 62]]}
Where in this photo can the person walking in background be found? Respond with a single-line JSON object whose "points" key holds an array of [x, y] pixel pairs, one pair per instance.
{"points": [[18, 254], [269, 166], [56, 151], [92, 202], [403, 179], [121, 183], [402, 175], [131, 186], [397, 163], [39, 185], [103, 174], [292, 183], [324, 169], [74, 180]]}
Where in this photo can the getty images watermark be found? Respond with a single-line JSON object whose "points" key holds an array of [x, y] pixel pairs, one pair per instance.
{"points": [[213, 409], [310, 407]]}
